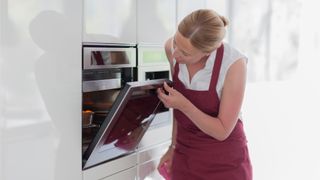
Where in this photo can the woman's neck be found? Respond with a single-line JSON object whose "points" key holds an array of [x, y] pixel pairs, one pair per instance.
{"points": [[198, 65], [195, 67]]}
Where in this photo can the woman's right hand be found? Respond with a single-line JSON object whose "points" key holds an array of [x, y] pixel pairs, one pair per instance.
{"points": [[167, 158]]}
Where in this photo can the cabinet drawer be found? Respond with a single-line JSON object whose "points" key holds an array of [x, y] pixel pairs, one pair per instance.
{"points": [[153, 152], [129, 174], [148, 161], [149, 170], [107, 169]]}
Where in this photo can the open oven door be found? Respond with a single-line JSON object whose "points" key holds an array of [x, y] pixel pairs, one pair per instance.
{"points": [[128, 119]]}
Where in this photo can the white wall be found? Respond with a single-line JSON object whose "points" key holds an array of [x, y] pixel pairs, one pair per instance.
{"points": [[282, 117]]}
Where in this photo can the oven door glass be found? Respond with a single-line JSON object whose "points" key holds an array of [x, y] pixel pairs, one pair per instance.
{"points": [[128, 119]]}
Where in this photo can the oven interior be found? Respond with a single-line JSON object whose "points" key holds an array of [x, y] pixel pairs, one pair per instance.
{"points": [[96, 104]]}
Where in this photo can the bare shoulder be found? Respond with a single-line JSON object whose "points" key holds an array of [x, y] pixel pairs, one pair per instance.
{"points": [[236, 74], [238, 68]]}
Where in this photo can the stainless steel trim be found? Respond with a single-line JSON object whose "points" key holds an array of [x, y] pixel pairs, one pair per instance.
{"points": [[98, 85], [87, 57], [108, 44]]}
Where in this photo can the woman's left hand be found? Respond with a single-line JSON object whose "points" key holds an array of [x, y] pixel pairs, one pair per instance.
{"points": [[173, 98]]}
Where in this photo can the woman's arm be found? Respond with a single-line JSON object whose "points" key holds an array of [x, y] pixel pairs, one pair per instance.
{"points": [[230, 104]]}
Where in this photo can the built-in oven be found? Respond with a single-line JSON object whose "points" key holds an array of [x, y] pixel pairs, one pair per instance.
{"points": [[116, 108], [106, 70]]}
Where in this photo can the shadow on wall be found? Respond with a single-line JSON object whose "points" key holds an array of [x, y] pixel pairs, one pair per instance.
{"points": [[55, 79]]}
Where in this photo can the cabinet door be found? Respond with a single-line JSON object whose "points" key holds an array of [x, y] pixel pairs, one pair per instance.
{"points": [[129, 174], [110, 21], [184, 7], [148, 161], [156, 21], [149, 170], [106, 170]]}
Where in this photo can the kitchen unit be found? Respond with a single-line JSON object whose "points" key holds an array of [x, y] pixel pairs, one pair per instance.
{"points": [[106, 69], [118, 112], [161, 20], [41, 48], [40, 90], [152, 63], [156, 21], [184, 7], [109, 21]]}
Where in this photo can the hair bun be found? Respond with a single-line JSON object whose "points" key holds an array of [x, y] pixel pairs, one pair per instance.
{"points": [[224, 20]]}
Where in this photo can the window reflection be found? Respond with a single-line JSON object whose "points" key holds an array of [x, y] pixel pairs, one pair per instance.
{"points": [[109, 58], [268, 32]]}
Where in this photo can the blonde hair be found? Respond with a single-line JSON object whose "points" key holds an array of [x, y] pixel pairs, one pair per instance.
{"points": [[204, 28]]}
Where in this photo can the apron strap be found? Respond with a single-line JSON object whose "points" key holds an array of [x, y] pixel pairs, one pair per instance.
{"points": [[216, 68]]}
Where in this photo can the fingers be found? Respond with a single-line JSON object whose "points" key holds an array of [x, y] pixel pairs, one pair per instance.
{"points": [[160, 164], [168, 166], [169, 89], [166, 98], [161, 94]]}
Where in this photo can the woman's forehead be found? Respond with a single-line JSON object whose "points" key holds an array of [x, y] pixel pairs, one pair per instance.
{"points": [[183, 43]]}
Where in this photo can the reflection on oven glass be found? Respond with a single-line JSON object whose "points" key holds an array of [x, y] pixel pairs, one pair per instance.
{"points": [[108, 58], [133, 120]]}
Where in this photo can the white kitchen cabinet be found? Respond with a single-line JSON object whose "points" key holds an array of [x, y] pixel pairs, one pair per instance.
{"points": [[184, 7], [152, 63], [40, 96], [149, 159], [109, 21], [121, 167], [156, 21], [129, 174]]}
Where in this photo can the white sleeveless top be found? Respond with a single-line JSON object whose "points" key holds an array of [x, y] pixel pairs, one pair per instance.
{"points": [[201, 80]]}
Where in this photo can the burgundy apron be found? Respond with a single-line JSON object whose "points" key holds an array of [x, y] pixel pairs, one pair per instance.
{"points": [[199, 156]]}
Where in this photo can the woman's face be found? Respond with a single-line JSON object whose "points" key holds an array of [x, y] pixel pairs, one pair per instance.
{"points": [[184, 52]]}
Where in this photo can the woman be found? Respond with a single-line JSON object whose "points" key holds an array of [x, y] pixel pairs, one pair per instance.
{"points": [[209, 76]]}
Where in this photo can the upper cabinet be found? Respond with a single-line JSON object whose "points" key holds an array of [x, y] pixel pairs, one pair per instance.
{"points": [[156, 21], [184, 7], [110, 21]]}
